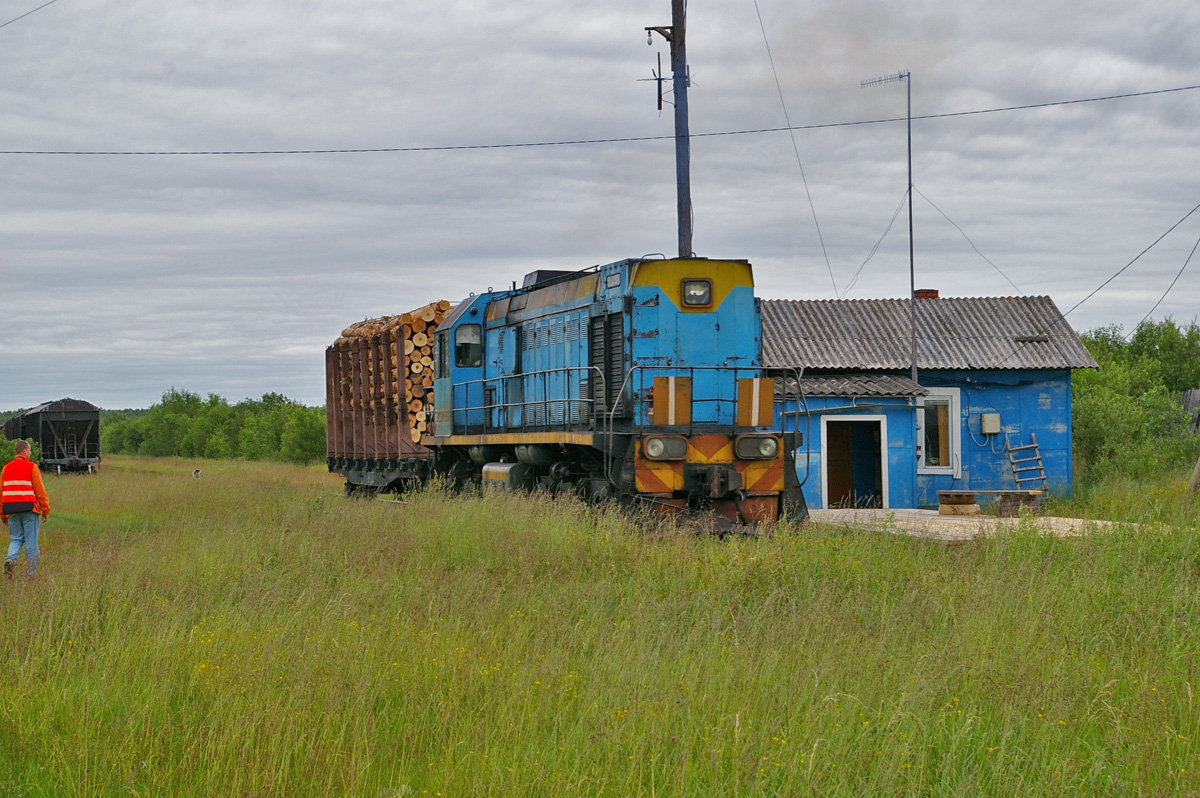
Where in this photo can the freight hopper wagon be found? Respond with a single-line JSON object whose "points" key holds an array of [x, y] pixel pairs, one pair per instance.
{"points": [[66, 431], [639, 381]]}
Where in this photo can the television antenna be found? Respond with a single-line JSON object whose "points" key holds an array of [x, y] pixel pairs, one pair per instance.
{"points": [[906, 77]]}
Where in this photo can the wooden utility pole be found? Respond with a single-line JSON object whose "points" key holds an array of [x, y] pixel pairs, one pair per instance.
{"points": [[683, 143], [676, 35]]}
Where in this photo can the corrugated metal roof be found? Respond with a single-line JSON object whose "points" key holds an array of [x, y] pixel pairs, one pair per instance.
{"points": [[852, 385], [952, 333]]}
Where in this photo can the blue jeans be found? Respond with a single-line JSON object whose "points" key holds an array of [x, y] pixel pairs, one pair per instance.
{"points": [[23, 531]]}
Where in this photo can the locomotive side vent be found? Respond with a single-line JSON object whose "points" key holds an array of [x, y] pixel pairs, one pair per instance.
{"points": [[606, 351]]}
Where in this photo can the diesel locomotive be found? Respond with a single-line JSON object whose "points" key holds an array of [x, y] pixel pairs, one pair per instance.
{"points": [[639, 381]]}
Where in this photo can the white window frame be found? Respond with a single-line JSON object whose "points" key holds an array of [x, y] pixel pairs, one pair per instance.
{"points": [[955, 419]]}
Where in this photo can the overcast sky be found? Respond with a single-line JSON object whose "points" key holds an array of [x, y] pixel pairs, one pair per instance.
{"points": [[126, 275]]}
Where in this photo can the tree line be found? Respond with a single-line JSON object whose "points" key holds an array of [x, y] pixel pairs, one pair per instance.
{"points": [[185, 425]]}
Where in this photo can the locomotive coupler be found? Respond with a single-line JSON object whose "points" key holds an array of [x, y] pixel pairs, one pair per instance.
{"points": [[715, 481]]}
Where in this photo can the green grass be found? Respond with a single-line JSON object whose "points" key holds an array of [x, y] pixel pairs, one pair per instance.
{"points": [[252, 633]]}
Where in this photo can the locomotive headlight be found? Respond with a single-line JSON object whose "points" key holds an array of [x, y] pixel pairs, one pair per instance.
{"points": [[756, 447], [697, 293], [664, 448]]}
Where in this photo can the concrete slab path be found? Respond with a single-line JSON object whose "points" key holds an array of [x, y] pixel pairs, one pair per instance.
{"points": [[951, 528]]}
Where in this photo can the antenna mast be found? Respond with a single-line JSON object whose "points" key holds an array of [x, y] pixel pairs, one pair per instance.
{"points": [[676, 35], [912, 273]]}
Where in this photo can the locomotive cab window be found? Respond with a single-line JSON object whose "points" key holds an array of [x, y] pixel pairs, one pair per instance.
{"points": [[697, 293], [468, 346]]}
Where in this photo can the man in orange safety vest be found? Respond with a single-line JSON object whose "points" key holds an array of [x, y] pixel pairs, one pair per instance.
{"points": [[22, 500]]}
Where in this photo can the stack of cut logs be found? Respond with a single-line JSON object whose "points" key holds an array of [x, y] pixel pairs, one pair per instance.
{"points": [[414, 332]]}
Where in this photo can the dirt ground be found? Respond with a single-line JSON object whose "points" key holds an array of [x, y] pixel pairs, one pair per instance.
{"points": [[950, 528]]}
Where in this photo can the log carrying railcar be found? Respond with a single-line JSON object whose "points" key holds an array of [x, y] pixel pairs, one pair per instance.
{"points": [[641, 380], [67, 431]]}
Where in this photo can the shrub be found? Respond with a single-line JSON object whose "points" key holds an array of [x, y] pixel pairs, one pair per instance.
{"points": [[1126, 419], [7, 452]]}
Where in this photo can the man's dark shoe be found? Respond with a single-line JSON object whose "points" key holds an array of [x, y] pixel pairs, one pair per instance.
{"points": [[8, 566]]}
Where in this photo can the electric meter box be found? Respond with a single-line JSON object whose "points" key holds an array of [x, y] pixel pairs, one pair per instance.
{"points": [[989, 423]]}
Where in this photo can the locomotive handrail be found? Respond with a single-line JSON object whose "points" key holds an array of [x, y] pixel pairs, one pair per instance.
{"points": [[545, 402], [735, 372], [602, 416]]}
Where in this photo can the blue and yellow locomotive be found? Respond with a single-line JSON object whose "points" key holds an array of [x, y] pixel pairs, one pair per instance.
{"points": [[639, 381]]}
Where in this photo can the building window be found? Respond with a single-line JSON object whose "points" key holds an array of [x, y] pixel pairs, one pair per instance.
{"points": [[938, 425]]}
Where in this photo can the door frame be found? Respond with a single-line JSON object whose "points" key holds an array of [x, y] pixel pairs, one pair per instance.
{"points": [[883, 452]]}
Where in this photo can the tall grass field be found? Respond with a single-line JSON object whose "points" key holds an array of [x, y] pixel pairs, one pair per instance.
{"points": [[253, 633]]}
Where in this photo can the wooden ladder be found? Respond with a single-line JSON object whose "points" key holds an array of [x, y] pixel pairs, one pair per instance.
{"points": [[1026, 464]]}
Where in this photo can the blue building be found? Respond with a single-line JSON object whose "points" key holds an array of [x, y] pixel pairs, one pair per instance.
{"points": [[993, 374]]}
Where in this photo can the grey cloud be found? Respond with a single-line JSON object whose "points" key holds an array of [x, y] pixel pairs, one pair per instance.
{"points": [[229, 274]]}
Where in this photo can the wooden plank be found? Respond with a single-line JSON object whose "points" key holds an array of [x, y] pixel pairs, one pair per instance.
{"points": [[1002, 492], [344, 428], [330, 401], [372, 442], [378, 439], [357, 430], [390, 432]]}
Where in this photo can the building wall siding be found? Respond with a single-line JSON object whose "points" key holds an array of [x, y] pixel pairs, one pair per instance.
{"points": [[901, 444], [1029, 403]]}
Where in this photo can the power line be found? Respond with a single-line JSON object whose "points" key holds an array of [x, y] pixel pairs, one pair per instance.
{"points": [[854, 280], [969, 241], [27, 13], [1135, 260], [795, 148], [577, 142], [1063, 317], [1169, 287]]}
